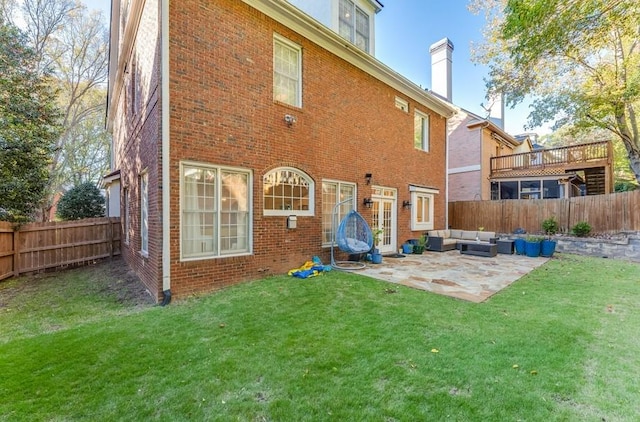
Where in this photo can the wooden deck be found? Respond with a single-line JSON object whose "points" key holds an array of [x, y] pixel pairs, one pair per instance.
{"points": [[555, 161]]}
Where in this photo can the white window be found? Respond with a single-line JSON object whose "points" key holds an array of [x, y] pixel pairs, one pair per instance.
{"points": [[144, 213], [125, 222], [422, 208], [421, 131], [287, 72], [353, 24], [287, 191], [402, 104], [334, 192], [215, 211]]}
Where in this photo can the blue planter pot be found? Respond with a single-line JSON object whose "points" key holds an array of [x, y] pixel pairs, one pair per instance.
{"points": [[407, 248], [532, 249], [376, 258], [547, 248], [519, 245]]}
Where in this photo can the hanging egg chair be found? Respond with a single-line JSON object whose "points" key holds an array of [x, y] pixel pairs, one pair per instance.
{"points": [[353, 236]]}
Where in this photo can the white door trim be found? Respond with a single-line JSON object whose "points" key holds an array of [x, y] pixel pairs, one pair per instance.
{"points": [[385, 210]]}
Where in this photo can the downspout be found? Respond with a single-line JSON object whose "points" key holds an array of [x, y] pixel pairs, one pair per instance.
{"points": [[166, 199], [446, 172]]}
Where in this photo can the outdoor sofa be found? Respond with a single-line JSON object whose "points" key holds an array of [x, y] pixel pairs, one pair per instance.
{"points": [[447, 240]]}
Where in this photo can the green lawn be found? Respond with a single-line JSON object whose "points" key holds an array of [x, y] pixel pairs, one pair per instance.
{"points": [[560, 344]]}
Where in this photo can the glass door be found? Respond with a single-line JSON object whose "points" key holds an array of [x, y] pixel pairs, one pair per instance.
{"points": [[384, 216]]}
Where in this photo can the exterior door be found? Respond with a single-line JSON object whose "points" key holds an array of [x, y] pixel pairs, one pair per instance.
{"points": [[384, 216]]}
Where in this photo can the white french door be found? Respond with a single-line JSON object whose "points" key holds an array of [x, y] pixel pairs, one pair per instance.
{"points": [[384, 216]]}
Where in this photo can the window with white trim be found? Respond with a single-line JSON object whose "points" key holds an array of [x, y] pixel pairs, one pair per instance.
{"points": [[334, 192], [215, 217], [144, 213], [353, 24], [422, 208], [421, 131], [287, 72], [125, 221], [287, 191], [402, 104]]}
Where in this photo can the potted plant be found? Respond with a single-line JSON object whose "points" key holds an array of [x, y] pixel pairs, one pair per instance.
{"points": [[420, 246], [376, 256], [519, 244], [532, 246], [407, 248], [548, 245]]}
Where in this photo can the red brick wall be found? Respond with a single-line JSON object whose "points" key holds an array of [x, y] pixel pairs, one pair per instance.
{"points": [[464, 151], [223, 113], [136, 146]]}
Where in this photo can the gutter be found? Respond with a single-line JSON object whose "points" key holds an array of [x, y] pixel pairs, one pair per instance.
{"points": [[166, 199]]}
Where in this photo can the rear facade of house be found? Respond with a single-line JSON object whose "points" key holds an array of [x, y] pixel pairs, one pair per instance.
{"points": [[239, 125]]}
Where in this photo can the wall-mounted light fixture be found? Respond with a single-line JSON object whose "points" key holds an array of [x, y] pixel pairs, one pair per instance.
{"points": [[290, 119], [406, 204], [367, 202], [367, 177]]}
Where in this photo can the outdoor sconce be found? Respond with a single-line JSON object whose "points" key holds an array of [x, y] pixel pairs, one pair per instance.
{"points": [[367, 177], [406, 204], [290, 119], [367, 202]]}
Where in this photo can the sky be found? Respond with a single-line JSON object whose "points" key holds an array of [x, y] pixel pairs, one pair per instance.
{"points": [[404, 31]]}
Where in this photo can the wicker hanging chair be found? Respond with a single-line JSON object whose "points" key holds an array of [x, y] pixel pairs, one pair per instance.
{"points": [[353, 236]]}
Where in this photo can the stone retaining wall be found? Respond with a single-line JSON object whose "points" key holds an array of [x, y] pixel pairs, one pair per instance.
{"points": [[625, 248]]}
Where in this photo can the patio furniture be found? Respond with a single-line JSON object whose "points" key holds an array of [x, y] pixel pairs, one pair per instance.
{"points": [[447, 240], [505, 246], [478, 249], [353, 236]]}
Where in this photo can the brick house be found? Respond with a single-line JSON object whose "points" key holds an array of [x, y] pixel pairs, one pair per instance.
{"points": [[231, 119]]}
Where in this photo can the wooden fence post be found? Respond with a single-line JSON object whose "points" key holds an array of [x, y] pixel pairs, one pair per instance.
{"points": [[110, 237], [16, 252]]}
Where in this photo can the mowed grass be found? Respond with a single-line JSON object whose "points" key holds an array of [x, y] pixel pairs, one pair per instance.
{"points": [[559, 344]]}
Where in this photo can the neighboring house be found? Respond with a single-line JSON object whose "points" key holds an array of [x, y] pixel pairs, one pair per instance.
{"points": [[485, 162], [238, 125]]}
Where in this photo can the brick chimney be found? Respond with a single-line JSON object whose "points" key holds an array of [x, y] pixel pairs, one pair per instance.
{"points": [[441, 53]]}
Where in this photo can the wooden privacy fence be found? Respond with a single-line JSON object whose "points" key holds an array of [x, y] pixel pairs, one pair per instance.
{"points": [[39, 246], [613, 213]]}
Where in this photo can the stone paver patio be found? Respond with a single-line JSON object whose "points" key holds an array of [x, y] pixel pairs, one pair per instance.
{"points": [[464, 277]]}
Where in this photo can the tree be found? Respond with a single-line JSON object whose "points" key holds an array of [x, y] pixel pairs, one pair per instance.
{"points": [[81, 201], [29, 126], [74, 43], [580, 59]]}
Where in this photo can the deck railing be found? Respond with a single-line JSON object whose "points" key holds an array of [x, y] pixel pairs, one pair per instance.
{"points": [[574, 154]]}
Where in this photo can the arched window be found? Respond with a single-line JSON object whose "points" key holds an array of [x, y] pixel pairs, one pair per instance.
{"points": [[287, 191]]}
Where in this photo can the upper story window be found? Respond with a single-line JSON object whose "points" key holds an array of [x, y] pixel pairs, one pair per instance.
{"points": [[402, 104], [353, 24], [287, 72], [421, 131], [287, 191]]}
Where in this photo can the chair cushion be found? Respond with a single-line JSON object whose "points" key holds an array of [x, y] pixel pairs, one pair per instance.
{"points": [[486, 236], [456, 233], [449, 241], [468, 235]]}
